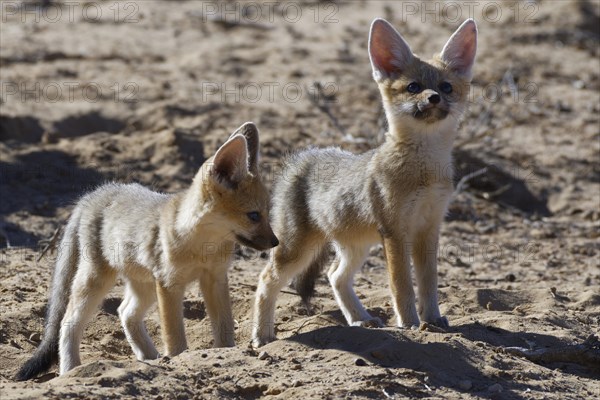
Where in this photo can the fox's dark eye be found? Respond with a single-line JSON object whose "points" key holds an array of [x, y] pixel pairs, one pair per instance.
{"points": [[254, 216], [414, 87], [445, 87]]}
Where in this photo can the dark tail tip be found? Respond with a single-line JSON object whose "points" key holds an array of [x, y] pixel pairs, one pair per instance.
{"points": [[44, 357], [304, 283]]}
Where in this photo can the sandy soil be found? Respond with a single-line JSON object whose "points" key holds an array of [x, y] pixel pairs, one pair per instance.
{"points": [[149, 89]]}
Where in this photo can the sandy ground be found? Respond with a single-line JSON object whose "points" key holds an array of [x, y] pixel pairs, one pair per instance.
{"points": [[145, 91]]}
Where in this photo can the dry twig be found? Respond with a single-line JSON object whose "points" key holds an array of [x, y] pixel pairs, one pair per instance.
{"points": [[51, 243], [465, 179], [586, 353]]}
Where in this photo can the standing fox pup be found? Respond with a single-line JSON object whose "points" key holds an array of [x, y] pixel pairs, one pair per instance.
{"points": [[158, 243], [397, 194]]}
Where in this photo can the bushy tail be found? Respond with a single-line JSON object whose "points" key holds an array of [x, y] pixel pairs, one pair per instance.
{"points": [[66, 265], [304, 283]]}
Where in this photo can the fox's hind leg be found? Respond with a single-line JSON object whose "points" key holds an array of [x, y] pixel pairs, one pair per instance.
{"points": [[341, 277], [289, 258], [138, 298], [90, 284]]}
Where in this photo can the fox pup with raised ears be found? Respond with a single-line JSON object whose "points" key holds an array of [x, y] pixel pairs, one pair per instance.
{"points": [[394, 194], [164, 242]]}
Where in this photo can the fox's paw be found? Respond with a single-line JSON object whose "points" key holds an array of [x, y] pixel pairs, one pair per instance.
{"points": [[441, 322], [373, 322], [261, 341]]}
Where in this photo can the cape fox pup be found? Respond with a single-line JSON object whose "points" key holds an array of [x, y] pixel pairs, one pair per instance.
{"points": [[158, 243], [396, 194]]}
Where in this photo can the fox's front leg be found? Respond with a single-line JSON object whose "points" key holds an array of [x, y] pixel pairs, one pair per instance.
{"points": [[425, 258], [170, 308], [215, 289], [398, 264]]}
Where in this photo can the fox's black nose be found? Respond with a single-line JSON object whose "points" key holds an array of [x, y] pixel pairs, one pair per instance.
{"points": [[274, 241], [434, 98]]}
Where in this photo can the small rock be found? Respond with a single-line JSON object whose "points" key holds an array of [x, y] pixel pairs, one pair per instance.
{"points": [[250, 351], [484, 228], [35, 337], [273, 391], [537, 233], [511, 277], [460, 263], [13, 343], [216, 365], [465, 384], [263, 355], [296, 367], [495, 388], [359, 362], [49, 137], [519, 310], [297, 383]]}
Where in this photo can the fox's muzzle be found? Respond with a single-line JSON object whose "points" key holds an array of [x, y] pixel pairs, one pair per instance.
{"points": [[259, 243]]}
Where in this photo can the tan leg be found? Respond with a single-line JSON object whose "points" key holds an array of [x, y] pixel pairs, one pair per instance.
{"points": [[139, 296], [286, 263], [91, 283], [403, 295], [341, 277], [215, 290], [170, 308], [425, 258]]}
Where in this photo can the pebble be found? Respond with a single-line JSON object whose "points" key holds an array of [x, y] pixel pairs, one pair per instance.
{"points": [[297, 383], [360, 362], [263, 355], [273, 391], [484, 228], [35, 337], [495, 388], [465, 385]]}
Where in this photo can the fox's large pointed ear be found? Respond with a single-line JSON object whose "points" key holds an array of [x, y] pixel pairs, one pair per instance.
{"points": [[388, 50], [230, 165], [459, 51], [250, 132]]}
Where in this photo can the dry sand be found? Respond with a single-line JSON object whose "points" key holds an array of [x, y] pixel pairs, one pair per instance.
{"points": [[149, 90]]}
